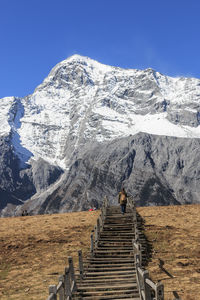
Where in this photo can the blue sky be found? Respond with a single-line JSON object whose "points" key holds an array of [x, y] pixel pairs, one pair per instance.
{"points": [[37, 34]]}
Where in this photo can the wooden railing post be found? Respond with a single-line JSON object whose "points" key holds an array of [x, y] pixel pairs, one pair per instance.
{"points": [[137, 260], [104, 209], [103, 215], [53, 291], [147, 290], [101, 222], [68, 292], [95, 237], [98, 228], [139, 277], [136, 233], [131, 203], [92, 244], [134, 216], [159, 295], [138, 252], [80, 259], [61, 292], [71, 272]]}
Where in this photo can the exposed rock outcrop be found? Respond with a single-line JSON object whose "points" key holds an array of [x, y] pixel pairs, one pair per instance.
{"points": [[156, 170]]}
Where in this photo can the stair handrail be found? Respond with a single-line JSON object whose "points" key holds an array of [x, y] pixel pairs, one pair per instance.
{"points": [[95, 234], [147, 288], [67, 282]]}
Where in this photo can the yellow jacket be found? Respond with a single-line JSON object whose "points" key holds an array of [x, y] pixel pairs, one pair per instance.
{"points": [[122, 198]]}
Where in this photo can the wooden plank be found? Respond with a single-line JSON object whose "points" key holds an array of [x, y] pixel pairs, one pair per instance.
{"points": [[111, 277], [107, 287], [151, 283], [130, 292], [106, 259], [109, 273], [107, 281], [109, 265], [120, 297]]}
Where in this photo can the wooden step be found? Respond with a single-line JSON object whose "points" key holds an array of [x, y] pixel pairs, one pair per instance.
{"points": [[108, 259], [107, 247], [133, 296], [116, 297], [107, 292], [110, 273], [122, 276], [107, 280], [89, 274], [102, 264], [106, 287], [106, 269]]}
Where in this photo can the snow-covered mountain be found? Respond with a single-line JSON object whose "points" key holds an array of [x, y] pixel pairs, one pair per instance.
{"points": [[83, 102]]}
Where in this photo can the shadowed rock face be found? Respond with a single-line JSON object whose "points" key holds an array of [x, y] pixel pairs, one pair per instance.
{"points": [[156, 170], [17, 185]]}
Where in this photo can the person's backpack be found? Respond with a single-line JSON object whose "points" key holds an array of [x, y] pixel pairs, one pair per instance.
{"points": [[123, 198]]}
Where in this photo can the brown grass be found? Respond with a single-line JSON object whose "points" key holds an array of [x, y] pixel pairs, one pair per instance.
{"points": [[34, 250], [174, 232]]}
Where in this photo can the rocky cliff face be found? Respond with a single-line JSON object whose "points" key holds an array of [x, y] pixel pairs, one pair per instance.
{"points": [[89, 128], [156, 170]]}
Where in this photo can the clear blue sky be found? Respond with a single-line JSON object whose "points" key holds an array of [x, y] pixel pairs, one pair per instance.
{"points": [[37, 34]]}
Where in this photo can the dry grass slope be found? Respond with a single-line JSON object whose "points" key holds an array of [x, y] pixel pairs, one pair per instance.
{"points": [[174, 232], [34, 250]]}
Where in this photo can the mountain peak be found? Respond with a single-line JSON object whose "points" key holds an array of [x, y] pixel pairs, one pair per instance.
{"points": [[82, 99], [77, 57], [87, 61], [83, 105]]}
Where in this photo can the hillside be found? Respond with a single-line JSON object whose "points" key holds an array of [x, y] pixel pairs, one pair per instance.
{"points": [[34, 250], [174, 233]]}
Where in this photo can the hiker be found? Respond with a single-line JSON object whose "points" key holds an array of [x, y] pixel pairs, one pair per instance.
{"points": [[123, 200], [24, 213]]}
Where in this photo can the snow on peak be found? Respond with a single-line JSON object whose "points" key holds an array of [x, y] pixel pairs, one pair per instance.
{"points": [[85, 60], [5, 114], [82, 99]]}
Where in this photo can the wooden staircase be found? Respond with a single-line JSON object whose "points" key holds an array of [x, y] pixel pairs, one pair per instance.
{"points": [[115, 267], [109, 272]]}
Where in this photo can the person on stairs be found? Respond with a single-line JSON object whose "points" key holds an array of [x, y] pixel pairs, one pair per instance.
{"points": [[123, 200]]}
